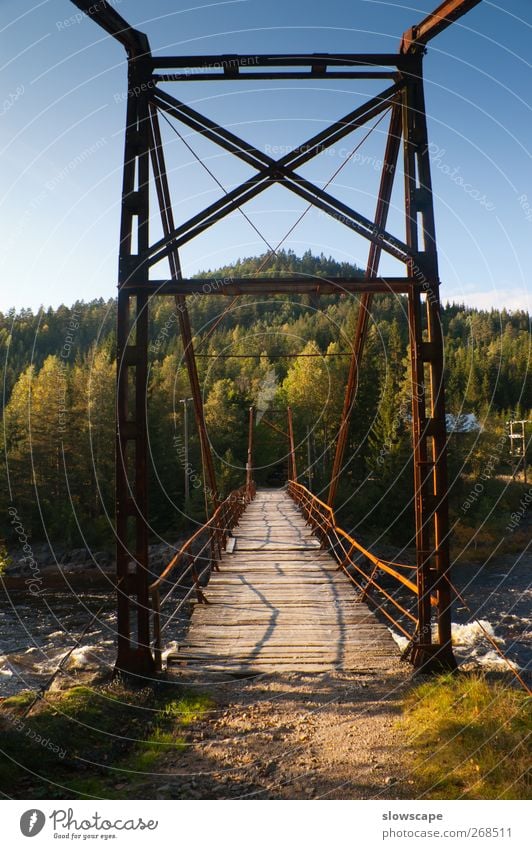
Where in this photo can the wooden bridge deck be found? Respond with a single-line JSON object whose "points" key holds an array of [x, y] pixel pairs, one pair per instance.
{"points": [[279, 604]]}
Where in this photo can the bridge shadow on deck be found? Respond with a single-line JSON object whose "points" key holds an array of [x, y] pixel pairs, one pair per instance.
{"points": [[280, 604]]}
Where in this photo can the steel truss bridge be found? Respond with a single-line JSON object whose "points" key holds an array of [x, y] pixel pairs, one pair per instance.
{"points": [[300, 537]]}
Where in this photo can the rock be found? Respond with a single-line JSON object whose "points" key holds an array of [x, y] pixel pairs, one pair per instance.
{"points": [[101, 557], [74, 567], [16, 570], [79, 555]]}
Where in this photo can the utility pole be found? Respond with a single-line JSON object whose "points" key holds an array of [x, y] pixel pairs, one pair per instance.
{"points": [[518, 446], [249, 464], [185, 401], [291, 447]]}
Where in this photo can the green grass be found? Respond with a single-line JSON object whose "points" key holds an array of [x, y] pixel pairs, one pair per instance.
{"points": [[470, 737], [109, 739], [5, 559]]}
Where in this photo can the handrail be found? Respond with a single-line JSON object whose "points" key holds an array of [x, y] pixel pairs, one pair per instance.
{"points": [[382, 564], [322, 518], [223, 520]]}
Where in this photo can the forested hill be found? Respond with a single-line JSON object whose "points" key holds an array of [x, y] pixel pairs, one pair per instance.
{"points": [[488, 352], [59, 383]]}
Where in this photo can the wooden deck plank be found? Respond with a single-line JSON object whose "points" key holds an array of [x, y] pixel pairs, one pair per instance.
{"points": [[279, 603]]}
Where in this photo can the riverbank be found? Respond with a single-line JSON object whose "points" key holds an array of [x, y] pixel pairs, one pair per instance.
{"points": [[295, 736], [52, 568], [37, 630], [276, 737]]}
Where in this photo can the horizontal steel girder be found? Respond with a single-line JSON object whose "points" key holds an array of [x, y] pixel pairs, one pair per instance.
{"points": [[135, 42], [234, 62], [273, 75], [278, 286]]}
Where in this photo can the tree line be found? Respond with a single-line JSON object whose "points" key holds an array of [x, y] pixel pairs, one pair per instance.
{"points": [[269, 353]]}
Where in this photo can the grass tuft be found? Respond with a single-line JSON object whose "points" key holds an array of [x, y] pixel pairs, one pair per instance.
{"points": [[471, 738], [85, 741]]}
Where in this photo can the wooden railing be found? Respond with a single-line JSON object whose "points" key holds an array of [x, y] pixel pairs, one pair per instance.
{"points": [[194, 561], [321, 518]]}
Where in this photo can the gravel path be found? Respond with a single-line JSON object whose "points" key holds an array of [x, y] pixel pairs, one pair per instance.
{"points": [[294, 736]]}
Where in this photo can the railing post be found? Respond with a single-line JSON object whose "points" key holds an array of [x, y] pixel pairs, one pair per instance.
{"points": [[370, 581], [194, 572], [157, 647], [218, 535], [224, 524], [214, 558], [346, 558]]}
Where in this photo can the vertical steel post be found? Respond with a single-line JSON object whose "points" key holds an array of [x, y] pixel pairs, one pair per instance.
{"points": [[292, 464], [249, 464], [428, 396], [133, 625]]}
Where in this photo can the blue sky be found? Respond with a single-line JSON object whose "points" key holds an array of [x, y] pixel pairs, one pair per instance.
{"points": [[63, 112]]}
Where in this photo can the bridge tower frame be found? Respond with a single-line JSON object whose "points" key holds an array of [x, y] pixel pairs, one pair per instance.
{"points": [[144, 155]]}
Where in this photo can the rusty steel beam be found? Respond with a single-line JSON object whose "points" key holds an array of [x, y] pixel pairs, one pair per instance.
{"points": [[296, 285], [274, 427], [381, 214], [234, 62], [276, 75], [165, 207], [132, 554], [271, 171], [428, 395], [135, 42], [415, 38]]}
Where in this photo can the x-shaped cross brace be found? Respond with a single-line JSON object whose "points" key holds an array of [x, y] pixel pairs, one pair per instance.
{"points": [[272, 171]]}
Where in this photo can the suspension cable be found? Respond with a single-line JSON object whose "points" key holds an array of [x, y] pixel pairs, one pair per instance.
{"points": [[244, 215], [273, 251], [216, 180], [326, 185]]}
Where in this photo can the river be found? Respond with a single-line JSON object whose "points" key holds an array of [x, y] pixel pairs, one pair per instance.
{"points": [[36, 631]]}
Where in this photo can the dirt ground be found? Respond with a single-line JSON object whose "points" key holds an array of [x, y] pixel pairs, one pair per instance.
{"points": [[295, 736]]}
